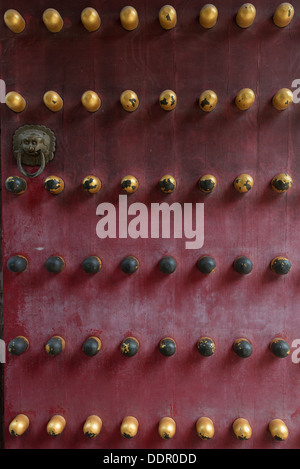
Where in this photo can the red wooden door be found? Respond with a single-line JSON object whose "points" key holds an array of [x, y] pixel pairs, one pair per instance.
{"points": [[149, 305]]}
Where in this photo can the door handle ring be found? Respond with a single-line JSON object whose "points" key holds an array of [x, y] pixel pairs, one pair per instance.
{"points": [[36, 173]]}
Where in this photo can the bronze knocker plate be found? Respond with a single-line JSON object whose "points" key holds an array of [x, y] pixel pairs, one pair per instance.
{"points": [[33, 145]]}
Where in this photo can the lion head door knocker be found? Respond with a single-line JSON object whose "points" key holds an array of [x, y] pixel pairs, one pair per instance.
{"points": [[33, 145]]}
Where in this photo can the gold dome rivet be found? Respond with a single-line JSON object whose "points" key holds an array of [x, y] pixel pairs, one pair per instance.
{"points": [[167, 184], [208, 16], [242, 429], [207, 183], [91, 184], [18, 425], [129, 427], [54, 184], [167, 17], [129, 18], [278, 430], [282, 99], [243, 183], [56, 425], [14, 21], [245, 99], [129, 184], [282, 182], [53, 101], [90, 19], [129, 100], [168, 100], [52, 20], [246, 15], [205, 428], [92, 426], [208, 100], [167, 428], [283, 15], [91, 101], [15, 101]]}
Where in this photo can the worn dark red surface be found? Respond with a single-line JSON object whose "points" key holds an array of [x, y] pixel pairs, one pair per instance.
{"points": [[149, 305]]}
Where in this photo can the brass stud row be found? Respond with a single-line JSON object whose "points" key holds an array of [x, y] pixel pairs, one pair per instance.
{"points": [[129, 427], [167, 346], [130, 102], [167, 17], [130, 264], [243, 183]]}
